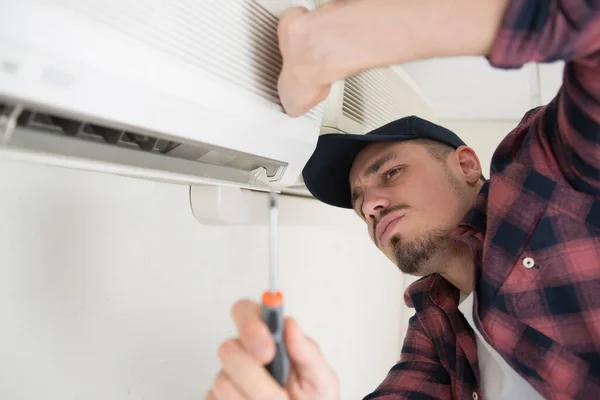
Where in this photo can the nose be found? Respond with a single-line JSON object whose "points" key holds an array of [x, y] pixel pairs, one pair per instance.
{"points": [[375, 201]]}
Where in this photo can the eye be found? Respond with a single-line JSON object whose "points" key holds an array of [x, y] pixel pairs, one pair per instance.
{"points": [[390, 174]]}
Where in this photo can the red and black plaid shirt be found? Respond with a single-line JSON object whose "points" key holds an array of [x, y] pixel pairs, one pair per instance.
{"points": [[541, 207]]}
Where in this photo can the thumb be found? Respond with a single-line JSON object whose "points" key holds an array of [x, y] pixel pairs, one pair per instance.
{"points": [[304, 353]]}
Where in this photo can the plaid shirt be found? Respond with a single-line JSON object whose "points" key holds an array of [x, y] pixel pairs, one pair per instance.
{"points": [[534, 232]]}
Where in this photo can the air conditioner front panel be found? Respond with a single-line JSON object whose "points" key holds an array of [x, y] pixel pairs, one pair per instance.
{"points": [[192, 71]]}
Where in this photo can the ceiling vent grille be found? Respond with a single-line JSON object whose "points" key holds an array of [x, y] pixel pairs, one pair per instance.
{"points": [[370, 99], [373, 98]]}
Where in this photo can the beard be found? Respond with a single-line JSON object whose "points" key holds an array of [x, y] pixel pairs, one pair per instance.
{"points": [[415, 257]]}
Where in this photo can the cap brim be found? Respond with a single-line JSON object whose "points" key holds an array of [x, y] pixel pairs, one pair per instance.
{"points": [[326, 175]]}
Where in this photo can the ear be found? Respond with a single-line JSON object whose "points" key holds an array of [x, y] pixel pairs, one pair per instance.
{"points": [[469, 164]]}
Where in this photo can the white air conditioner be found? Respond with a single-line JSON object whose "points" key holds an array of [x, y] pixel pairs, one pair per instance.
{"points": [[181, 91]]}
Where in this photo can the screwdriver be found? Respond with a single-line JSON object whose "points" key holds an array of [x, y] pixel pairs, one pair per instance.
{"points": [[272, 304]]}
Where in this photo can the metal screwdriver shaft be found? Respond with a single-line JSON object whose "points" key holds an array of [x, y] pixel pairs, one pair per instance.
{"points": [[273, 303], [274, 267]]}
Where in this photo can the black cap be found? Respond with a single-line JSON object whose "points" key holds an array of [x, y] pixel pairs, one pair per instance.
{"points": [[326, 174]]}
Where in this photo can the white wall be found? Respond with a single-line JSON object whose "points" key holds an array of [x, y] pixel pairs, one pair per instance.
{"points": [[110, 289]]}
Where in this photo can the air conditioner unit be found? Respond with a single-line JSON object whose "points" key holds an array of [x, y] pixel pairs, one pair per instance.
{"points": [[180, 90]]}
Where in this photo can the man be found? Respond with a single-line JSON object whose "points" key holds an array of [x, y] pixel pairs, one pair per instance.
{"points": [[509, 303]]}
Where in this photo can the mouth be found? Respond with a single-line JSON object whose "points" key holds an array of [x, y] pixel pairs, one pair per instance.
{"points": [[386, 228]]}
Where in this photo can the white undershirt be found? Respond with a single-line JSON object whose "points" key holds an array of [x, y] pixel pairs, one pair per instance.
{"points": [[498, 380]]}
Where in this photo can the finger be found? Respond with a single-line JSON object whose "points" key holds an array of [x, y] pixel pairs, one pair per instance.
{"points": [[253, 332], [247, 374], [304, 352], [225, 389]]}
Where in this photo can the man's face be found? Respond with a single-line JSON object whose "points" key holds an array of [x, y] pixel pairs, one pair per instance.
{"points": [[410, 201]]}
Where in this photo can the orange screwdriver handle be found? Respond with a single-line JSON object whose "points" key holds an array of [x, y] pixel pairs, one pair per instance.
{"points": [[272, 314]]}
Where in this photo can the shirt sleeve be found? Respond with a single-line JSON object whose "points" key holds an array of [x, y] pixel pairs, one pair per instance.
{"points": [[419, 373], [569, 30]]}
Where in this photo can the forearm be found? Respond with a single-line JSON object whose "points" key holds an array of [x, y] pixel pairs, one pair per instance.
{"points": [[354, 35]]}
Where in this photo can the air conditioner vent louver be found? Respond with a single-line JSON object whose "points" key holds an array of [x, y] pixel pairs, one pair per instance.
{"points": [[78, 129], [374, 98], [73, 137]]}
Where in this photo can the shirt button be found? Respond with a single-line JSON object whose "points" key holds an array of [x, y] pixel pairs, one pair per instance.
{"points": [[528, 262], [475, 396]]}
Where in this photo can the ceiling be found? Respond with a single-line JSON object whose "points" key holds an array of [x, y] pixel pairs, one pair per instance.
{"points": [[468, 88]]}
